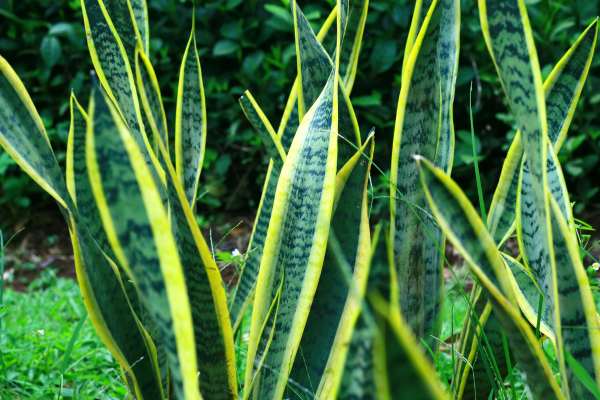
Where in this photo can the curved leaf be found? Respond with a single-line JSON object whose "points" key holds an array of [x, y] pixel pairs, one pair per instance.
{"points": [[139, 232], [463, 227]]}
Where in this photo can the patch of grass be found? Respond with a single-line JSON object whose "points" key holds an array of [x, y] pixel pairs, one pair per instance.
{"points": [[48, 347]]}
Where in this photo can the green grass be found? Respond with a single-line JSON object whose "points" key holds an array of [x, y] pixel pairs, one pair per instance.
{"points": [[48, 347]]}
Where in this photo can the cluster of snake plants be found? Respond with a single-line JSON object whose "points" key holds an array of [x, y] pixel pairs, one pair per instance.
{"points": [[327, 304]]}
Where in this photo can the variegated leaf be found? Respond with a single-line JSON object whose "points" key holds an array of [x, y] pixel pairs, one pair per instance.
{"points": [[423, 126], [24, 138], [190, 121], [337, 301], [151, 98], [139, 231], [463, 227], [562, 89], [294, 249]]}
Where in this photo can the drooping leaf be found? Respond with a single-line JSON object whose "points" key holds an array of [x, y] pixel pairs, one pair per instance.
{"points": [[190, 120], [139, 231], [463, 227]]}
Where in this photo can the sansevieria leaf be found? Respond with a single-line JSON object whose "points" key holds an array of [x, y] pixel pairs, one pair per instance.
{"points": [[24, 138], [298, 228], [508, 35], [562, 89], [580, 328], [206, 293], [140, 15], [423, 126], [111, 301], [112, 65], [247, 281], [408, 372], [364, 366], [338, 299], [314, 67], [151, 98], [285, 132], [190, 120], [463, 227], [139, 232]]}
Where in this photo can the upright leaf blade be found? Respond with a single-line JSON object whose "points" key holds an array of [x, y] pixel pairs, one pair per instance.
{"points": [[111, 63], [190, 120], [212, 326], [337, 301], [151, 98], [562, 91], [424, 125], [508, 35], [294, 248], [580, 329]]}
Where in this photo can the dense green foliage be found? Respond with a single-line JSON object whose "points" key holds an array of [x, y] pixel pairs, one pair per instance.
{"points": [[247, 45]]}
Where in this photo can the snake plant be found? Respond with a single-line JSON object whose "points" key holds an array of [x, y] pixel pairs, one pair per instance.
{"points": [[327, 304]]}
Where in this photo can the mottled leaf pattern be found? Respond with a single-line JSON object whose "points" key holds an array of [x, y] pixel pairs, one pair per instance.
{"points": [[151, 98], [463, 227], [562, 90], [24, 138], [423, 126], [190, 121], [111, 63], [580, 329], [212, 327], [337, 301], [286, 131], [505, 23], [298, 228], [314, 68], [138, 230]]}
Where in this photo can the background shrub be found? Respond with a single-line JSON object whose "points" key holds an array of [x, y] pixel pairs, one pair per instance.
{"points": [[44, 41]]}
